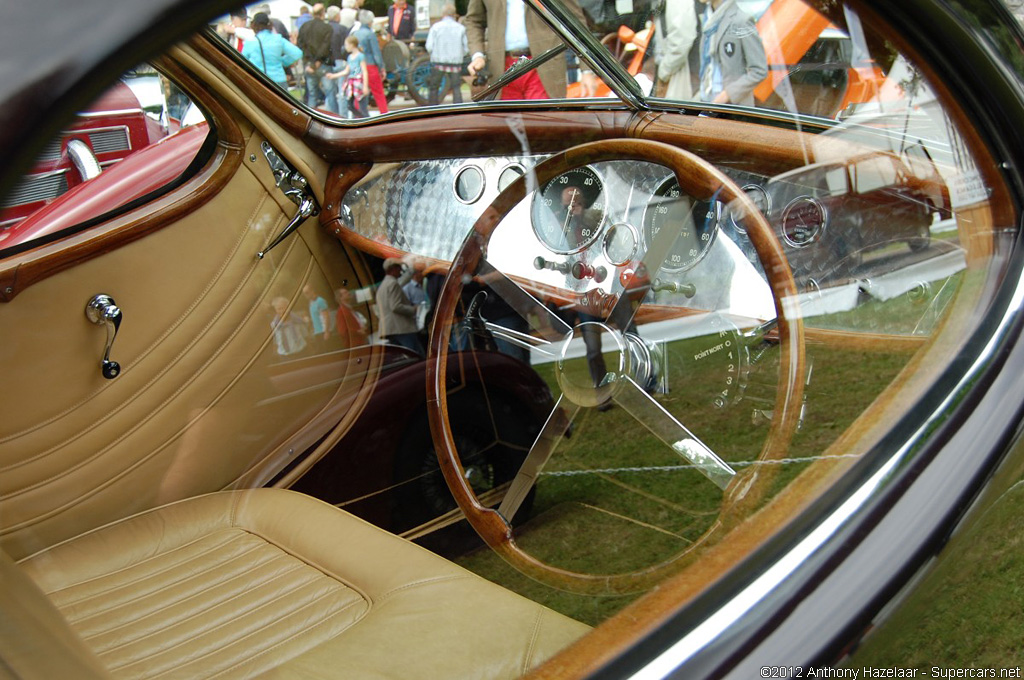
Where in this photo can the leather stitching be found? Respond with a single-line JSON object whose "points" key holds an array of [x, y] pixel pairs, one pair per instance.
{"points": [[250, 657], [532, 646], [136, 463], [211, 585], [313, 582], [424, 582], [231, 538], [181, 319]]}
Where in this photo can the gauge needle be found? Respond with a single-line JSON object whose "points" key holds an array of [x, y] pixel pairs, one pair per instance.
{"points": [[568, 211]]}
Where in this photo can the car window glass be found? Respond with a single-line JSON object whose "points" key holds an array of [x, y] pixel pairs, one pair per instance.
{"points": [[82, 173], [873, 174], [836, 180], [434, 54]]}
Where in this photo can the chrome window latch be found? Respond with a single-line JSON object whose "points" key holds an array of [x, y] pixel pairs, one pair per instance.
{"points": [[103, 311], [296, 188]]}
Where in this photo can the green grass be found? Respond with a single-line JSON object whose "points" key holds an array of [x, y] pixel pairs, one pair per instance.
{"points": [[967, 612], [602, 521]]}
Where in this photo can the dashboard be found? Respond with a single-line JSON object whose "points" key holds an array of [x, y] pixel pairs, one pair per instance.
{"points": [[584, 232]]}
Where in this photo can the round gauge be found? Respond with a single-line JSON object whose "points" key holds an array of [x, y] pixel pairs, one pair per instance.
{"points": [[620, 242], [761, 200], [568, 211], [469, 184], [694, 221], [803, 221], [508, 175]]}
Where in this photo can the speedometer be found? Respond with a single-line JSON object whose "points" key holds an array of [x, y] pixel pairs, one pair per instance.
{"points": [[694, 222], [568, 211]]}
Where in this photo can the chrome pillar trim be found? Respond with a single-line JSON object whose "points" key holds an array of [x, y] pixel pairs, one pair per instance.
{"points": [[590, 50]]}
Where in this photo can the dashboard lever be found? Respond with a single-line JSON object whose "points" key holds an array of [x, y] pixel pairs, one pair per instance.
{"points": [[759, 333], [687, 289], [307, 208], [540, 263], [295, 188]]}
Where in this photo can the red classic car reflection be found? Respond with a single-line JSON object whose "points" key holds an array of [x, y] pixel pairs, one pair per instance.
{"points": [[154, 167], [834, 213], [113, 127]]}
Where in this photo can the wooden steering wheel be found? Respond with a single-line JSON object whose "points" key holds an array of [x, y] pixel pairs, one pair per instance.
{"points": [[743, 491]]}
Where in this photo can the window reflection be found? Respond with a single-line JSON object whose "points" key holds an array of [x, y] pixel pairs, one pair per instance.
{"points": [[136, 137], [798, 56]]}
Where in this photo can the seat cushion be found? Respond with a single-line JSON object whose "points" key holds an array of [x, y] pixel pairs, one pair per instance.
{"points": [[238, 584]]}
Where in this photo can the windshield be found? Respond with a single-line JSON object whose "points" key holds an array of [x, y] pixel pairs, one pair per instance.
{"points": [[811, 59]]}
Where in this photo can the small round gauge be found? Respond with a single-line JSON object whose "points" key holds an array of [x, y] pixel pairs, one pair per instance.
{"points": [[620, 242], [508, 175], [761, 200], [803, 221], [469, 184], [568, 211], [694, 221]]}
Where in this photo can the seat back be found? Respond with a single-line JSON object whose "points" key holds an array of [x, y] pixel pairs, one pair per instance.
{"points": [[35, 640]]}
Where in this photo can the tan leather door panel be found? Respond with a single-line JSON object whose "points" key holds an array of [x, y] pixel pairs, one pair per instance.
{"points": [[200, 404]]}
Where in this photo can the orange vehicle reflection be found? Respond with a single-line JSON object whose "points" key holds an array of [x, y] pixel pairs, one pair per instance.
{"points": [[814, 67]]}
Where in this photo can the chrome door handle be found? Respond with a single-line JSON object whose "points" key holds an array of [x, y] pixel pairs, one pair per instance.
{"points": [[103, 311]]}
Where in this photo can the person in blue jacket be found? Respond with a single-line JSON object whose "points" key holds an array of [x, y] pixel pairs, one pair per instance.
{"points": [[269, 51]]}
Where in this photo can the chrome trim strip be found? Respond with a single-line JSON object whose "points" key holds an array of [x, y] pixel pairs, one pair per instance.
{"points": [[114, 112], [592, 52]]}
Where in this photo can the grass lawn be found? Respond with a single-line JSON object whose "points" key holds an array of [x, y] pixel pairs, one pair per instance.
{"points": [[614, 498]]}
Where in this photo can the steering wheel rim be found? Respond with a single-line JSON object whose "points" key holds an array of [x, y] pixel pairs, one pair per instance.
{"points": [[744, 492]]}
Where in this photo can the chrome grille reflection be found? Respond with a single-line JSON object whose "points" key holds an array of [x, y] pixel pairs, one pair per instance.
{"points": [[107, 141], [37, 188]]}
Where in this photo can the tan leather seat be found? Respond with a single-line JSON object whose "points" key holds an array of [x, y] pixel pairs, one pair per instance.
{"points": [[263, 582]]}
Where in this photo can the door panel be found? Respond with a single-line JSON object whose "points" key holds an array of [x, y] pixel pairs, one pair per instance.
{"points": [[200, 404]]}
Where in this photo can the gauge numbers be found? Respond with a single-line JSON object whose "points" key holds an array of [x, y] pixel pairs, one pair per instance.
{"points": [[569, 210], [695, 222]]}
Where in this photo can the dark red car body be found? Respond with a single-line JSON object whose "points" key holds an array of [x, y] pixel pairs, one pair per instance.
{"points": [[113, 127]]}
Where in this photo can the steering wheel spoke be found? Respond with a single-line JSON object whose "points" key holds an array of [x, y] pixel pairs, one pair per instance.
{"points": [[551, 434], [662, 424], [541, 319]]}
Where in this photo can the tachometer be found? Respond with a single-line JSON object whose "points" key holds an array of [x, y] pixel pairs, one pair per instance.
{"points": [[568, 211], [694, 221]]}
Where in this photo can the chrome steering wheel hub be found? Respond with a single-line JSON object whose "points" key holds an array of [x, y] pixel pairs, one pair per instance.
{"points": [[596, 380]]}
